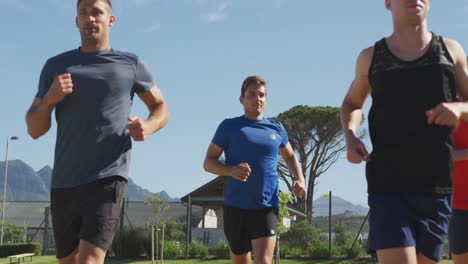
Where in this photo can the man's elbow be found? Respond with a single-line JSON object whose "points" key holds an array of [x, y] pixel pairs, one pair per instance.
{"points": [[167, 116], [34, 134], [205, 165]]}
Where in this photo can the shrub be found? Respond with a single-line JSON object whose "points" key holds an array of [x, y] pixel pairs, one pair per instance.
{"points": [[285, 251], [197, 249], [301, 235], [297, 252], [174, 230], [12, 233], [222, 250], [352, 252], [341, 235], [13, 249], [173, 249], [135, 243], [319, 250]]}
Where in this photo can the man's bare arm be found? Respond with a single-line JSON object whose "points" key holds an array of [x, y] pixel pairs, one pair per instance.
{"points": [[351, 108], [140, 129]]}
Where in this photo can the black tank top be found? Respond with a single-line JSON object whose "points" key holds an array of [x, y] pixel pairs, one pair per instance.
{"points": [[410, 156]]}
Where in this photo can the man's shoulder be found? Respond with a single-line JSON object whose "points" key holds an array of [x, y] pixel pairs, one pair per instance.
{"points": [[128, 55], [232, 120], [273, 122], [367, 54], [455, 50], [275, 125], [64, 55]]}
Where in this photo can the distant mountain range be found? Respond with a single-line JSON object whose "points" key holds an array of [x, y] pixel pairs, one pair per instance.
{"points": [[339, 206], [25, 184]]}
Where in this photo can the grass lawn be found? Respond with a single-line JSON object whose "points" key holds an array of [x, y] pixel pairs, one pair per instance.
{"points": [[52, 260]]}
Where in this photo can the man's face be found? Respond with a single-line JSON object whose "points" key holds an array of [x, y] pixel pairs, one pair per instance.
{"points": [[94, 20], [254, 99], [412, 11]]}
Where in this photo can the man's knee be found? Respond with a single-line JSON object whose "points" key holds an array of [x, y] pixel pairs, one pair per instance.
{"points": [[72, 258], [90, 253]]}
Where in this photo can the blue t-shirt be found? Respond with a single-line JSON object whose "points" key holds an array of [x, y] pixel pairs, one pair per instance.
{"points": [[257, 143], [92, 137]]}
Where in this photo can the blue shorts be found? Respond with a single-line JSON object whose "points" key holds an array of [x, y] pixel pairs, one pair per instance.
{"points": [[458, 232], [403, 220]]}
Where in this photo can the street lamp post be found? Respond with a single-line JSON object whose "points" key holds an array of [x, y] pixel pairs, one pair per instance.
{"points": [[4, 187]]}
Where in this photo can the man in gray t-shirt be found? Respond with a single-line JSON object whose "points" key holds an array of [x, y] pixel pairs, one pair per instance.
{"points": [[91, 89]]}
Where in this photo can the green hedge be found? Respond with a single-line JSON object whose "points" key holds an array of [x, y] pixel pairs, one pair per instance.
{"points": [[13, 249], [197, 249], [222, 250]]}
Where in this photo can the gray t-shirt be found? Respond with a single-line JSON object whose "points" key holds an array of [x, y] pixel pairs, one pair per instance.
{"points": [[92, 137]]}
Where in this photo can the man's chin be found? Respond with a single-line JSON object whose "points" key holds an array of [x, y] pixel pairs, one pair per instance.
{"points": [[90, 36]]}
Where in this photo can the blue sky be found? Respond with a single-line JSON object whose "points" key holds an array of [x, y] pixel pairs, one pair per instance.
{"points": [[199, 52]]}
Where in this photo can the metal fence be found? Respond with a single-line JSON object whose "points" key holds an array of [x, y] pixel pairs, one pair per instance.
{"points": [[35, 218]]}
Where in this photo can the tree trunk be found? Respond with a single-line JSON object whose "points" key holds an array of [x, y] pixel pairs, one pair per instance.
{"points": [[310, 198]]}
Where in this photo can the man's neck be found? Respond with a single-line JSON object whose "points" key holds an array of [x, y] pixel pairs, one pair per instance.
{"points": [[94, 47], [411, 36], [253, 116]]}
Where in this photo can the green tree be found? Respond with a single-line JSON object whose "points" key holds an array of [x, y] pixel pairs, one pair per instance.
{"points": [[316, 136], [159, 207], [341, 235], [174, 230], [301, 235], [12, 233], [284, 199]]}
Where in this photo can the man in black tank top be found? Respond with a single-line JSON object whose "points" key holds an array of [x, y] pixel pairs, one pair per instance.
{"points": [[413, 77]]}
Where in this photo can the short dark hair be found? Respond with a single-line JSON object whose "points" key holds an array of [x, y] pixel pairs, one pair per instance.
{"points": [[252, 80], [106, 1]]}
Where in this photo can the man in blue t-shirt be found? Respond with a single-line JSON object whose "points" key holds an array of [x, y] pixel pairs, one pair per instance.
{"points": [[91, 90], [251, 145]]}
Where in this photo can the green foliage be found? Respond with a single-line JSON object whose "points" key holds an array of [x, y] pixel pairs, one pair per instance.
{"points": [[12, 233], [174, 230], [284, 199], [316, 136], [341, 236], [351, 222], [197, 249], [222, 250], [159, 206], [137, 242], [352, 252], [300, 235], [297, 252], [173, 249], [319, 249], [285, 251], [13, 249]]}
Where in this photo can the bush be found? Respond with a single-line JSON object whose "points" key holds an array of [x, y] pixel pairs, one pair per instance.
{"points": [[173, 249], [341, 236], [297, 252], [137, 242], [222, 250], [352, 252], [301, 235], [285, 251], [12, 233], [319, 250], [174, 230], [13, 249], [197, 249]]}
